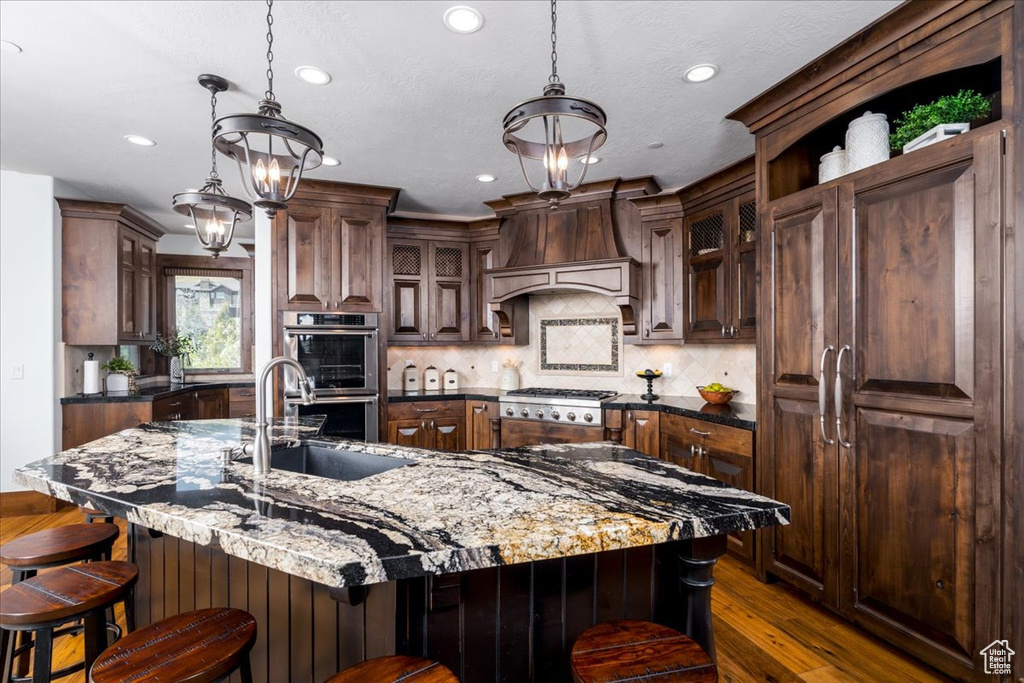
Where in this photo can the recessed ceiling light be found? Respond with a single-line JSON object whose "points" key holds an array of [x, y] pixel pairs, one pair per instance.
{"points": [[589, 160], [486, 178], [655, 145], [463, 19], [8, 46], [700, 73], [190, 226], [140, 140], [313, 75], [331, 161]]}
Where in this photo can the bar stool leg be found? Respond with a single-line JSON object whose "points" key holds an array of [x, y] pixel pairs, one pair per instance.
{"points": [[95, 636], [44, 655], [129, 612], [245, 669], [6, 654]]}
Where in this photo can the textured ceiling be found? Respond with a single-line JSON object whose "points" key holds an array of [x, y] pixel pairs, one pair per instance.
{"points": [[412, 105]]}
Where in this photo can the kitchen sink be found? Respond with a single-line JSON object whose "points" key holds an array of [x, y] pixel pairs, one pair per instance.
{"points": [[331, 463]]}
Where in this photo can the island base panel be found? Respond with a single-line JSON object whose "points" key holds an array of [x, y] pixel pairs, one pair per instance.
{"points": [[509, 623]]}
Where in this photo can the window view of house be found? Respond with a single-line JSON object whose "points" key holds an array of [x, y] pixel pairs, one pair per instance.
{"points": [[211, 309]]}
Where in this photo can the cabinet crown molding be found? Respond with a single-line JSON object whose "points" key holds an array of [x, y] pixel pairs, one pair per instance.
{"points": [[114, 211]]}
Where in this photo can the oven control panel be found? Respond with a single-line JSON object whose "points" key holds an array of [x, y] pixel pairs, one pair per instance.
{"points": [[586, 415]]}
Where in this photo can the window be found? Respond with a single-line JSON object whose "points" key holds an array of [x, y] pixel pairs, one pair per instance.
{"points": [[214, 305]]}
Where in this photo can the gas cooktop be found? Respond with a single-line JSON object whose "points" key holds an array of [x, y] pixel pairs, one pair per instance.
{"points": [[581, 406]]}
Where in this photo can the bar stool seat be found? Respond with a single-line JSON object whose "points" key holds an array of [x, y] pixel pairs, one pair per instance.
{"points": [[67, 594], [394, 669], [193, 647], [639, 650], [54, 547]]}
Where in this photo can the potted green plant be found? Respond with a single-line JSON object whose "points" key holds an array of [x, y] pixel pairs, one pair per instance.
{"points": [[929, 123], [178, 346], [120, 374]]}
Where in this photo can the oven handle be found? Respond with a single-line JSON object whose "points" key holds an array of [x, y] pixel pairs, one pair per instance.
{"points": [[299, 329], [333, 399]]}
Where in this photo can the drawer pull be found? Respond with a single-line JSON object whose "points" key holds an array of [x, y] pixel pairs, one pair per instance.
{"points": [[426, 410], [694, 430]]}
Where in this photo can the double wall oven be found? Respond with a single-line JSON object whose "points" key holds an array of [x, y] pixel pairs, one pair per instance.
{"points": [[338, 351]]}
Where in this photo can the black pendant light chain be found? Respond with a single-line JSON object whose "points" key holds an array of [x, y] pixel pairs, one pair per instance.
{"points": [[213, 125], [553, 78], [270, 49]]}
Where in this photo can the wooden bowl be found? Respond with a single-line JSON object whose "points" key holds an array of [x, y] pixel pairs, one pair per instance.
{"points": [[718, 398]]}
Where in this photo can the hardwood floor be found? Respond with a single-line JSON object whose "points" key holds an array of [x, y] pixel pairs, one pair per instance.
{"points": [[764, 632]]}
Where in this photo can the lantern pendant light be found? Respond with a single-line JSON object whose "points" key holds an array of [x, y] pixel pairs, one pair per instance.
{"points": [[213, 212], [272, 152], [545, 142]]}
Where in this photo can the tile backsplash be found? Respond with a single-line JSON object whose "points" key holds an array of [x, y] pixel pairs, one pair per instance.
{"points": [[692, 364]]}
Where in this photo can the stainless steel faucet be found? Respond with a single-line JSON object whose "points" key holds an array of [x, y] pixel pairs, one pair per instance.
{"points": [[261, 444]]}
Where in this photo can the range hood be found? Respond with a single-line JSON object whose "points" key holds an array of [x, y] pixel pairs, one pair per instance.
{"points": [[576, 247]]}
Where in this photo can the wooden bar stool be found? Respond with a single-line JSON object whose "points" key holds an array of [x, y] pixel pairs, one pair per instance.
{"points": [[198, 647], [639, 650], [394, 669], [41, 604]]}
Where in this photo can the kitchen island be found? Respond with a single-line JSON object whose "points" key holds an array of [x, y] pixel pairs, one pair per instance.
{"points": [[491, 562]]}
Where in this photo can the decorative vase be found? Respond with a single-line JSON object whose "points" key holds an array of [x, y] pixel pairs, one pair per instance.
{"points": [[867, 142], [509, 379], [117, 382], [833, 165], [177, 370]]}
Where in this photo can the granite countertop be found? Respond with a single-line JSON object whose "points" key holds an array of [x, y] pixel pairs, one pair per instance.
{"points": [[154, 393], [444, 512], [460, 394], [732, 414]]}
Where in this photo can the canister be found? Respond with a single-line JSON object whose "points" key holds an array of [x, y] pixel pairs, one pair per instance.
{"points": [[451, 380], [832, 165], [431, 379], [410, 378], [867, 142]]}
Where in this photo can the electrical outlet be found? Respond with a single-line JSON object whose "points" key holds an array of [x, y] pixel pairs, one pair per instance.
{"points": [[666, 370], [19, 372], [494, 366]]}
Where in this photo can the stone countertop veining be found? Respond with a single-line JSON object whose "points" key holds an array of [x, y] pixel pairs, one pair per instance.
{"points": [[444, 512], [732, 414], [154, 393], [463, 393]]}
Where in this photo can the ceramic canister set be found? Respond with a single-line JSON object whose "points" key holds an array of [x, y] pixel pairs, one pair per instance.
{"points": [[867, 143]]}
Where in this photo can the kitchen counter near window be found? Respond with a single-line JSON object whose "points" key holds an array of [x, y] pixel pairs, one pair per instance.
{"points": [[155, 393]]}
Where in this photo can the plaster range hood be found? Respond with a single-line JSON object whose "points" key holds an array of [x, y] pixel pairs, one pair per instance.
{"points": [[577, 247]]}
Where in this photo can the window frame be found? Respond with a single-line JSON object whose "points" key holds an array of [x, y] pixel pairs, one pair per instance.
{"points": [[230, 266]]}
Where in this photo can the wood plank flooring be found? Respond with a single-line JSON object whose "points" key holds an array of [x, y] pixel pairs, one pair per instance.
{"points": [[765, 632]]}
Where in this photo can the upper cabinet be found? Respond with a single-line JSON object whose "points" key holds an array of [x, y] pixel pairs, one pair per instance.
{"points": [[108, 252], [700, 260], [436, 292], [329, 248]]}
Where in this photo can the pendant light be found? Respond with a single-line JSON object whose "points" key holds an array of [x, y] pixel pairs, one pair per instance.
{"points": [[545, 142], [214, 213], [272, 152]]}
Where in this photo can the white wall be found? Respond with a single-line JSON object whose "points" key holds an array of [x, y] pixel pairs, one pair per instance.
{"points": [[29, 322], [188, 245]]}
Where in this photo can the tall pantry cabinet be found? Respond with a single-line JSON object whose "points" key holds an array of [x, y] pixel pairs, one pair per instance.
{"points": [[883, 365]]}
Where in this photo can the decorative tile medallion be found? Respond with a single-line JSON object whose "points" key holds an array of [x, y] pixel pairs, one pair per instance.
{"points": [[579, 345]]}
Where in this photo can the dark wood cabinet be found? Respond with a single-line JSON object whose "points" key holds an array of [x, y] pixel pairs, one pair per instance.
{"points": [[641, 431], [429, 282], [329, 257], [483, 321], [439, 425], [180, 407], [108, 292], [663, 243], [211, 404], [241, 402], [483, 425], [413, 433], [878, 306]]}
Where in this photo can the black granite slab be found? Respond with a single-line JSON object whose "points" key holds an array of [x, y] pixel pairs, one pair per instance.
{"points": [[154, 393], [732, 414], [461, 394], [441, 513]]}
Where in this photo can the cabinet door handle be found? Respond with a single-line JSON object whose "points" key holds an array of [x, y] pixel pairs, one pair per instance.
{"points": [[694, 430], [839, 397], [433, 425], [423, 425], [629, 416], [647, 332], [426, 410], [823, 395], [723, 331], [424, 335], [732, 331]]}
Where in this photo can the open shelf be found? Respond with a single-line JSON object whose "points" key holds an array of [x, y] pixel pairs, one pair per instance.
{"points": [[796, 168]]}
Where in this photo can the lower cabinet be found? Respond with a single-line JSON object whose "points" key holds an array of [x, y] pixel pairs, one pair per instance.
{"points": [[483, 425], [85, 422], [450, 425], [725, 453]]}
